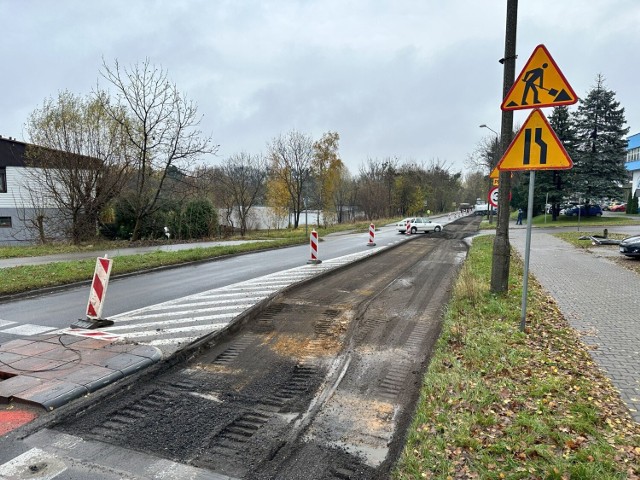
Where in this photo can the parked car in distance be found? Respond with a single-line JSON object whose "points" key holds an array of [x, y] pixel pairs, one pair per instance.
{"points": [[418, 224], [607, 205], [481, 209], [620, 207], [630, 246], [584, 210]]}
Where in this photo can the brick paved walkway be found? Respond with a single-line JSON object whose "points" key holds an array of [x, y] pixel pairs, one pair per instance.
{"points": [[600, 299]]}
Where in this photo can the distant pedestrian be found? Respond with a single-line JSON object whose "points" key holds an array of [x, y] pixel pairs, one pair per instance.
{"points": [[519, 219]]}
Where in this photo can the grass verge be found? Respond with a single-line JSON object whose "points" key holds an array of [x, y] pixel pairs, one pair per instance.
{"points": [[564, 221], [300, 234], [20, 279], [497, 403]]}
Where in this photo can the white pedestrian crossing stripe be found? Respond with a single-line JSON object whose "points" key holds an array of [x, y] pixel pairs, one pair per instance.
{"points": [[181, 321], [27, 329]]}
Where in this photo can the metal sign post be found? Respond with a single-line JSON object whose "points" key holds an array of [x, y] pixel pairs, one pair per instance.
{"points": [[525, 280]]}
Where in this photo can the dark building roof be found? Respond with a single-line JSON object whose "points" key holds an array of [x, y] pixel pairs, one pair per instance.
{"points": [[12, 152]]}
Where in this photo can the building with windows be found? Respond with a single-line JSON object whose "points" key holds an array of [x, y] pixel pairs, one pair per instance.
{"points": [[633, 163], [21, 204], [12, 168]]}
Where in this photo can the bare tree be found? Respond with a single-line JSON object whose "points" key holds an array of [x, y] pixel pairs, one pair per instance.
{"points": [[291, 158], [78, 161], [160, 127], [344, 196], [242, 178], [374, 187]]}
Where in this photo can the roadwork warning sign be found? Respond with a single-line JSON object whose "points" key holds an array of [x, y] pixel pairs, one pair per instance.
{"points": [[540, 84], [535, 147]]}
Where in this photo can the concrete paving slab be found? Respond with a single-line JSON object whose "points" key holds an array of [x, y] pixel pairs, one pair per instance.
{"points": [[51, 374], [93, 377], [52, 394], [16, 385], [35, 348], [51, 370], [90, 344], [127, 363], [7, 358], [13, 344], [97, 357], [36, 364], [63, 354]]}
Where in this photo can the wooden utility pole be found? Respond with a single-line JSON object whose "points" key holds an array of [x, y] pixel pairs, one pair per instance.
{"points": [[501, 246]]}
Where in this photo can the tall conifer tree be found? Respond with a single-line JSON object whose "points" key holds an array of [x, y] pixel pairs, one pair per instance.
{"points": [[599, 159]]}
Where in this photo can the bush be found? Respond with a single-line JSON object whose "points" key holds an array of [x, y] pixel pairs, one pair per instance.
{"points": [[198, 220]]}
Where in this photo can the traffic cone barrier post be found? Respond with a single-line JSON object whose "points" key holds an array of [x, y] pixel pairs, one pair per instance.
{"points": [[314, 248], [97, 296], [372, 235]]}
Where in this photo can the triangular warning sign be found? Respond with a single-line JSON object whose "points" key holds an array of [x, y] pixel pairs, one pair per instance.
{"points": [[540, 84], [535, 147]]}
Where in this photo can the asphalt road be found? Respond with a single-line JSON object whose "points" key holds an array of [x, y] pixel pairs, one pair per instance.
{"points": [[59, 309]]}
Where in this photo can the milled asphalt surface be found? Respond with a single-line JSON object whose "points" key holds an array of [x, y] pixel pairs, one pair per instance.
{"points": [[599, 298]]}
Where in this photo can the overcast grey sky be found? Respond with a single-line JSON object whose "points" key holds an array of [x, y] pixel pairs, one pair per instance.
{"points": [[411, 79]]}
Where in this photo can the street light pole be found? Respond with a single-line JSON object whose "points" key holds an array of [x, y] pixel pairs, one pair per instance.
{"points": [[487, 126], [491, 166]]}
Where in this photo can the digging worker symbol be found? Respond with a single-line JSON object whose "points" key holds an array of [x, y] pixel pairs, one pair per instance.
{"points": [[530, 78]]}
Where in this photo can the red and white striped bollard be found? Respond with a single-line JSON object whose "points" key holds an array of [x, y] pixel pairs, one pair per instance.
{"points": [[372, 235], [314, 248], [97, 296], [407, 230]]}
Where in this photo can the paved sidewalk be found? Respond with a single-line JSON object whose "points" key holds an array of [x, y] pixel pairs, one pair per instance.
{"points": [[51, 370], [600, 299]]}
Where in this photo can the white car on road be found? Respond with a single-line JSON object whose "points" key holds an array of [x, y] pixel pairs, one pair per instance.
{"points": [[419, 224]]}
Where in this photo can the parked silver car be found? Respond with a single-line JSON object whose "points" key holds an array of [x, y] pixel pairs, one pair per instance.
{"points": [[418, 224]]}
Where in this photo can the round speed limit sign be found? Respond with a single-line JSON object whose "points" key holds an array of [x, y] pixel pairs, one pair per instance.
{"points": [[493, 197]]}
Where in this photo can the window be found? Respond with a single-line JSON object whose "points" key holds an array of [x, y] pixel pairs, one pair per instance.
{"points": [[5, 222], [3, 180]]}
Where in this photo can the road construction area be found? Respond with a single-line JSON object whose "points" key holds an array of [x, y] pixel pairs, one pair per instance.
{"points": [[320, 384]]}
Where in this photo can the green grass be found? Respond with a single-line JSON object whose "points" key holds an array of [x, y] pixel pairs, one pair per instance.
{"points": [[564, 221], [19, 279], [497, 403], [574, 237], [16, 251]]}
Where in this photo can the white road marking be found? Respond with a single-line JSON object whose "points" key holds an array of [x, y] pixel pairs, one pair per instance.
{"points": [[178, 321], [28, 329], [181, 320], [242, 306], [150, 333]]}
